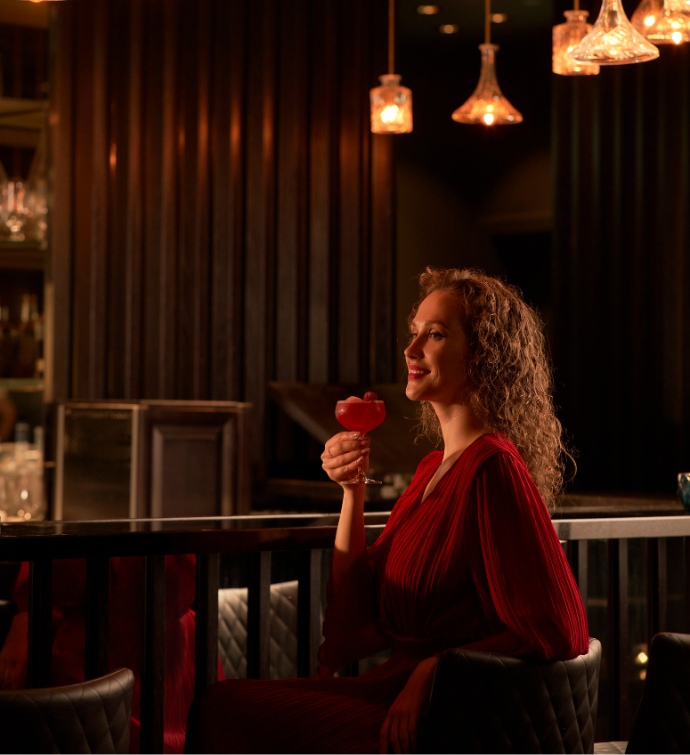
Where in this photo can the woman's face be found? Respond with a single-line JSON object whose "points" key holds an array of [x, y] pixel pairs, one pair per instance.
{"points": [[437, 351]]}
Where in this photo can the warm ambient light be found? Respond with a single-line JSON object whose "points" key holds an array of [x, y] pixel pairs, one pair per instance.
{"points": [[449, 29], [427, 10], [662, 23], [565, 38], [391, 106], [391, 103], [614, 40], [487, 106]]}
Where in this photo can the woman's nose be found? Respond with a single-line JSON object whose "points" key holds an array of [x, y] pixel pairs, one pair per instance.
{"points": [[412, 349]]}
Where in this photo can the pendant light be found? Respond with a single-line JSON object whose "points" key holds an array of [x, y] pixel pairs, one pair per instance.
{"points": [[614, 40], [487, 105], [391, 103], [565, 38], [661, 23]]}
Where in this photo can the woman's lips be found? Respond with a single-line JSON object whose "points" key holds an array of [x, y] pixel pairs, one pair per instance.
{"points": [[414, 373]]}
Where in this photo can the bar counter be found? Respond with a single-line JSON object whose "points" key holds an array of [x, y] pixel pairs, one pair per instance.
{"points": [[307, 536]]}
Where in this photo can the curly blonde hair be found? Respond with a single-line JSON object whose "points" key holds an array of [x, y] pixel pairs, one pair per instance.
{"points": [[508, 372]]}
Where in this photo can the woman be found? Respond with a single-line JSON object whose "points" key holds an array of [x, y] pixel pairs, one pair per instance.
{"points": [[469, 556]]}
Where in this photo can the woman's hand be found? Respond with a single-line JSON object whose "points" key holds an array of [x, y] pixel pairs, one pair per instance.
{"points": [[343, 455], [399, 730]]}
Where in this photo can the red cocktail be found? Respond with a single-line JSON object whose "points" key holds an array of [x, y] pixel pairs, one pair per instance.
{"points": [[361, 416]]}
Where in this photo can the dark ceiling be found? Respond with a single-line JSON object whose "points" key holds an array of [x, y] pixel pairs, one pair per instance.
{"points": [[468, 15]]}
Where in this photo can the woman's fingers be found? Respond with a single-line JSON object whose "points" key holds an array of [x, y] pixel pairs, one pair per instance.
{"points": [[343, 454]]}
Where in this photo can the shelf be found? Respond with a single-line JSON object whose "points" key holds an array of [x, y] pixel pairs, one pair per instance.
{"points": [[21, 121], [22, 384], [23, 255]]}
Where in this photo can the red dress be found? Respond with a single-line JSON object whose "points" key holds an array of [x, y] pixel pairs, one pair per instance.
{"points": [[476, 564]]}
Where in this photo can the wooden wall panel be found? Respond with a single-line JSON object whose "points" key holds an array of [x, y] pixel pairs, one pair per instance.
{"points": [[621, 270], [226, 217]]}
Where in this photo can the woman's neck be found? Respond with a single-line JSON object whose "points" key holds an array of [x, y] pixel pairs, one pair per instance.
{"points": [[459, 427]]}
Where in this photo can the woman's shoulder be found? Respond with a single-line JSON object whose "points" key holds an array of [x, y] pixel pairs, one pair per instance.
{"points": [[491, 444]]}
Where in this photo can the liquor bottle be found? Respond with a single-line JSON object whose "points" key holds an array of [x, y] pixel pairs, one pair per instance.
{"points": [[7, 342], [28, 351]]}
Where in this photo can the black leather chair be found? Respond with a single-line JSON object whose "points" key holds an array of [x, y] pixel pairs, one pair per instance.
{"points": [[489, 703], [662, 721], [90, 717]]}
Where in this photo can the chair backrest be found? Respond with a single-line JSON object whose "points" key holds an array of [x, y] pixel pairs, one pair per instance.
{"points": [[93, 716], [662, 722], [489, 703]]}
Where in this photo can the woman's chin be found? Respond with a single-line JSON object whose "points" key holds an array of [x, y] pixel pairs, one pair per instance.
{"points": [[412, 392]]}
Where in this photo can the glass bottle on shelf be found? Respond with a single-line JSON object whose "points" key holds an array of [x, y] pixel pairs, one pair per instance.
{"points": [[7, 342], [28, 348]]}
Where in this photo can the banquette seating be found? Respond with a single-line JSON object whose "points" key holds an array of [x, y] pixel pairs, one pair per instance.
{"points": [[662, 720], [93, 716], [490, 703]]}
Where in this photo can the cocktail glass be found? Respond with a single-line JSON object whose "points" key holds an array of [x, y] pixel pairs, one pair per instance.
{"points": [[361, 417]]}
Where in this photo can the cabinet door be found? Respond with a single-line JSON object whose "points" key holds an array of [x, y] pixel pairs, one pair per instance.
{"points": [[193, 459], [119, 459]]}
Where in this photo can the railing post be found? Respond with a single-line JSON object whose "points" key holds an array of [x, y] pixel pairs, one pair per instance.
{"points": [[153, 662], [40, 623], [578, 554], [618, 632], [97, 619], [206, 641], [657, 587], [259, 616], [308, 612]]}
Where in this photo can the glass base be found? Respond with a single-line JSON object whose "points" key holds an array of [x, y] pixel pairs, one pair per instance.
{"points": [[359, 479]]}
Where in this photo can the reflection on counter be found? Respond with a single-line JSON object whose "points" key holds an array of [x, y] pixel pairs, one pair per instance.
{"points": [[22, 494]]}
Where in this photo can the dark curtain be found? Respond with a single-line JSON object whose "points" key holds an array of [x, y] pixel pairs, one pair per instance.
{"points": [[222, 216], [622, 270]]}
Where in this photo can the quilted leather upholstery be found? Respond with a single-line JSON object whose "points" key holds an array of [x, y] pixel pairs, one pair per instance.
{"points": [[88, 717], [232, 631], [484, 702], [662, 722]]}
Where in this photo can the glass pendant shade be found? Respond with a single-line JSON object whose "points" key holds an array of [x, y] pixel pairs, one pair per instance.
{"points": [[678, 6], [391, 106], [565, 38], [662, 23], [614, 40], [487, 105]]}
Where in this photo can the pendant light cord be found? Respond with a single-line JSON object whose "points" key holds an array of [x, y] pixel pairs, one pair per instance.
{"points": [[391, 36], [487, 22]]}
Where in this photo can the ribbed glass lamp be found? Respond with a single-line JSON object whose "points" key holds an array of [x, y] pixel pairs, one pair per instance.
{"points": [[391, 103], [487, 106], [660, 23], [391, 106], [565, 38], [614, 40]]}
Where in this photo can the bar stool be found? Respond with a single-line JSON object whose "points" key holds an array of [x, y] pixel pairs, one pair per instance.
{"points": [[93, 716], [490, 703]]}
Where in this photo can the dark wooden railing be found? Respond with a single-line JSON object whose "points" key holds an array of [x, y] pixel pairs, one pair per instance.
{"points": [[307, 537]]}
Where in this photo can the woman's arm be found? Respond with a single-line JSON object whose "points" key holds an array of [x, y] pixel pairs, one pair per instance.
{"points": [[350, 625], [521, 571], [342, 456]]}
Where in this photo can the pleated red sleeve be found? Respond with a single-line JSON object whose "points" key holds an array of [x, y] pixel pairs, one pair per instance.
{"points": [[520, 568]]}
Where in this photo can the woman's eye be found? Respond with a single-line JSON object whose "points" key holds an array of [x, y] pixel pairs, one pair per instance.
{"points": [[435, 335], [411, 337]]}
